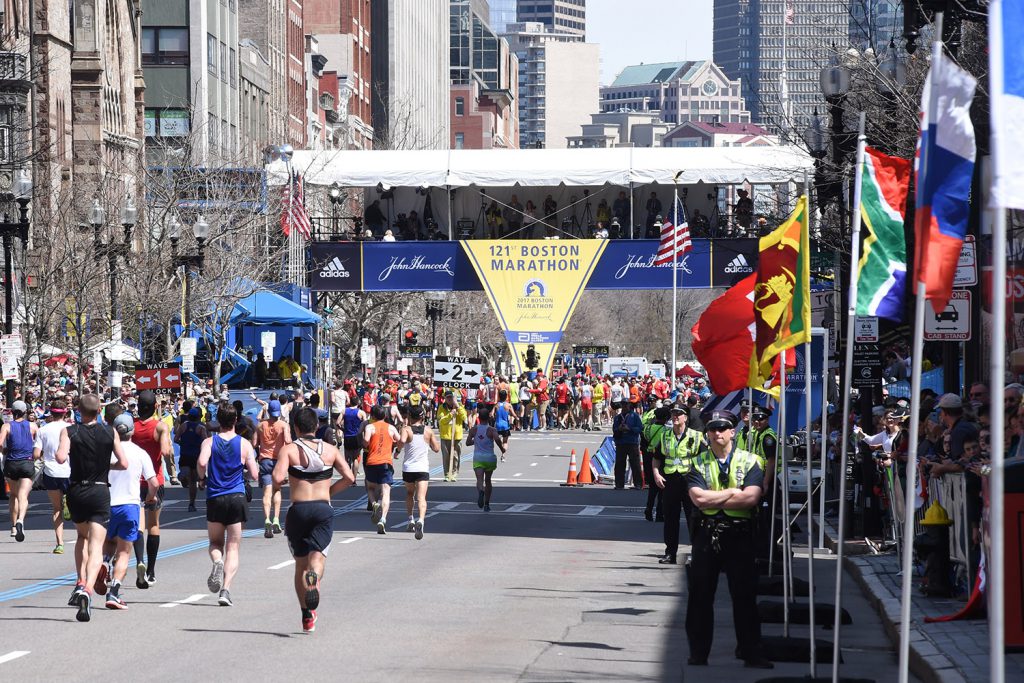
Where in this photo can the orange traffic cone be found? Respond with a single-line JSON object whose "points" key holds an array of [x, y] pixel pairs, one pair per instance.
{"points": [[571, 479], [585, 477]]}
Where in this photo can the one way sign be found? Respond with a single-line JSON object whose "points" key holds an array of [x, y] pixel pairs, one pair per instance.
{"points": [[158, 376], [457, 372]]}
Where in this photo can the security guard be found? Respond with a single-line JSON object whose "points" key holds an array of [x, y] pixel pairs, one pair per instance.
{"points": [[743, 426], [650, 443], [725, 485], [679, 445], [763, 442]]}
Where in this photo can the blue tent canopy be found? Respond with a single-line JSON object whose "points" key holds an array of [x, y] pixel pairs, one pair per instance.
{"points": [[267, 308]]}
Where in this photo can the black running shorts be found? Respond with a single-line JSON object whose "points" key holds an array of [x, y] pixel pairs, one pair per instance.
{"points": [[89, 503], [309, 527], [20, 469], [413, 477], [227, 509]]}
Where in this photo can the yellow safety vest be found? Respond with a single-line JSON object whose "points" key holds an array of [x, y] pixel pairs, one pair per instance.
{"points": [[740, 463], [679, 453]]}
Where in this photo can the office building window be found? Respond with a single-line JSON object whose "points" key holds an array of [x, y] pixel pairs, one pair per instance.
{"points": [[224, 62], [211, 131], [164, 46], [460, 106], [211, 54], [460, 140], [233, 61]]}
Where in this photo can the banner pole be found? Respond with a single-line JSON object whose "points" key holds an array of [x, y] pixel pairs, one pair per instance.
{"points": [[675, 275], [781, 480], [825, 372], [808, 441], [844, 391]]}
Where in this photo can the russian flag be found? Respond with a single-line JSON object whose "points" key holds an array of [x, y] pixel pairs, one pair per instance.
{"points": [[945, 164], [1006, 82]]}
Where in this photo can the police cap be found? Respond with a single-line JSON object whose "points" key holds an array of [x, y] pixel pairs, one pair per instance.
{"points": [[720, 419]]}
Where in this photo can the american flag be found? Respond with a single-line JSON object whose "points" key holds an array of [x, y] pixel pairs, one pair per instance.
{"points": [[293, 209], [790, 13], [681, 234]]}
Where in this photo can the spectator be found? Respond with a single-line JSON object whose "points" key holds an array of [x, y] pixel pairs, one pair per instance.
{"points": [[604, 212], [388, 236], [531, 218], [653, 207], [513, 215], [374, 218], [550, 215], [620, 208], [744, 209]]}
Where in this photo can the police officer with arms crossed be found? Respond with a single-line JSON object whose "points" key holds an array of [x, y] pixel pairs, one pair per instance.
{"points": [[725, 487], [674, 458]]}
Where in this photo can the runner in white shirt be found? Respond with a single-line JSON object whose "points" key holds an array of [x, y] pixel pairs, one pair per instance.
{"points": [[339, 401], [125, 487], [619, 392], [56, 476], [417, 438]]}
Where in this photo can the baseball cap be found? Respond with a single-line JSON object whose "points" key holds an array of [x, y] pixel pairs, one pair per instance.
{"points": [[124, 424], [720, 419], [195, 412], [274, 408], [952, 401], [19, 407]]}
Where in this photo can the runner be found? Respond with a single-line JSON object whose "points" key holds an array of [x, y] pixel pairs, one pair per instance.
{"points": [[352, 422], [307, 464], [271, 436], [484, 437], [152, 436], [381, 440], [416, 438], [55, 475], [18, 437], [189, 436], [503, 421], [125, 492], [223, 460], [88, 447]]}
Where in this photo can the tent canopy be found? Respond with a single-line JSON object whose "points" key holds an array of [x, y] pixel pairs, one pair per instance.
{"points": [[267, 308], [547, 167]]}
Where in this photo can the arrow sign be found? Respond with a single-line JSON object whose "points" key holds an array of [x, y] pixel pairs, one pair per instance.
{"points": [[145, 379], [457, 372], [158, 376]]}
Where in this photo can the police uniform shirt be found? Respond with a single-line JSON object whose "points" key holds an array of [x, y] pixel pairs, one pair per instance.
{"points": [[695, 477]]}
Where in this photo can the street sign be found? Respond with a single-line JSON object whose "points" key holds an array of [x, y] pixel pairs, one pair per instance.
{"points": [[457, 372], [953, 323], [867, 366], [97, 360], [416, 351], [866, 329], [9, 365], [389, 360], [12, 345], [188, 363], [268, 340], [967, 267], [158, 376], [823, 315], [368, 355], [590, 351], [188, 346]]}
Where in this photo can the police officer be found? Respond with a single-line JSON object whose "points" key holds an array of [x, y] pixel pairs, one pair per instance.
{"points": [[679, 445], [762, 441], [650, 443], [725, 487], [743, 427]]}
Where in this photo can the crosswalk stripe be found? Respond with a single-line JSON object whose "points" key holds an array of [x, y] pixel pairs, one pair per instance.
{"points": [[445, 506], [591, 510], [10, 656], [192, 598], [520, 507], [282, 565]]}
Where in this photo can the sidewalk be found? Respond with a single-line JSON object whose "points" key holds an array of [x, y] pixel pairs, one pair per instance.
{"points": [[946, 652]]}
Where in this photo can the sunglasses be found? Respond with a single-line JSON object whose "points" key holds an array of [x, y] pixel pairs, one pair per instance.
{"points": [[719, 429]]}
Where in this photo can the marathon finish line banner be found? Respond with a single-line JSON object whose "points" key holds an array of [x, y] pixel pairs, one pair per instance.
{"points": [[446, 266], [534, 286]]}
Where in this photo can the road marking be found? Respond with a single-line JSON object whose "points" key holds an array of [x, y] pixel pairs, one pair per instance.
{"points": [[536, 481], [10, 656], [350, 540], [558, 448], [591, 510], [533, 464], [282, 565], [446, 506], [179, 521], [192, 598], [520, 507], [518, 474]]}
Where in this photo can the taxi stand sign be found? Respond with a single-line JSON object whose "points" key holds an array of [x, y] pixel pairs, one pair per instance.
{"points": [[952, 323]]}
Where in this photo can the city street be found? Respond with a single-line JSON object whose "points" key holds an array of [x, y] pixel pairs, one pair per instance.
{"points": [[555, 584]]}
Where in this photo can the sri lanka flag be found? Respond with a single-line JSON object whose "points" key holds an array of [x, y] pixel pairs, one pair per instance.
{"points": [[945, 164]]}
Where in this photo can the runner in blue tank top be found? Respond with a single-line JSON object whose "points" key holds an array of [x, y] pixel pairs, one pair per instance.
{"points": [[503, 420], [17, 438], [352, 423]]}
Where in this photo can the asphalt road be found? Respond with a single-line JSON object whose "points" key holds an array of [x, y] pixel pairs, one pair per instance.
{"points": [[554, 584]]}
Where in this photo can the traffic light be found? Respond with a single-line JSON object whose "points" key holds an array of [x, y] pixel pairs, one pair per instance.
{"points": [[531, 357], [410, 337]]}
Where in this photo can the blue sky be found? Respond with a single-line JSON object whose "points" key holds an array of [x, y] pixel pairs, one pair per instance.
{"points": [[634, 31]]}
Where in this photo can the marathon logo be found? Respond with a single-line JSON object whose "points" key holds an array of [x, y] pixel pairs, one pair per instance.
{"points": [[334, 268], [739, 265]]}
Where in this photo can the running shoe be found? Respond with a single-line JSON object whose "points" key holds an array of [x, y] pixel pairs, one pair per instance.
{"points": [[175, 481], [277, 526], [151, 578], [191, 507], [100, 587], [19, 532], [268, 529], [14, 532], [73, 600], [84, 602], [115, 601], [216, 580], [381, 529], [487, 507], [309, 623], [58, 550], [224, 599], [312, 582], [479, 499], [418, 529], [369, 506], [377, 513], [411, 525], [140, 576]]}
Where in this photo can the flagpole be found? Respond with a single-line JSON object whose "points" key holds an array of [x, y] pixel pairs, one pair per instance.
{"points": [[851, 313], [810, 459], [915, 387], [675, 272], [781, 479]]}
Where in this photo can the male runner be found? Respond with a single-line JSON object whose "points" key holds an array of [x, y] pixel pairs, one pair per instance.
{"points": [[189, 436], [381, 439], [153, 436], [223, 460], [88, 447], [484, 437], [308, 465], [351, 423], [416, 439], [125, 490], [271, 436], [55, 475], [17, 438]]}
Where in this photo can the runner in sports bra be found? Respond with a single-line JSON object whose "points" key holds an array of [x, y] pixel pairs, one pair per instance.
{"points": [[418, 440], [308, 465]]}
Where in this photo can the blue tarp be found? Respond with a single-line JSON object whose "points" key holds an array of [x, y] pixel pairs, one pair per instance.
{"points": [[267, 308]]}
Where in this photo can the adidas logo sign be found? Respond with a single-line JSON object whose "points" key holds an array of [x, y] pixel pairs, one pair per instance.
{"points": [[334, 268], [739, 265]]}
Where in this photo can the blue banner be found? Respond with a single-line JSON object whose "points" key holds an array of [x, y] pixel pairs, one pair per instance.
{"points": [[417, 267], [629, 264], [795, 419]]}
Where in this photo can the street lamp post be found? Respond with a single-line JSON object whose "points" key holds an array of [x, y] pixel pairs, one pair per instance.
{"points": [[336, 197], [435, 311], [22, 192], [112, 250]]}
